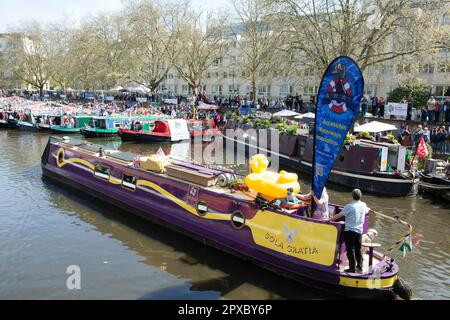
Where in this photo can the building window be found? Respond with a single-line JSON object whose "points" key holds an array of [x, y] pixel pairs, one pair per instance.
{"points": [[310, 90], [442, 90], [403, 68], [285, 90], [233, 89], [217, 62], [426, 68], [370, 89], [387, 69], [263, 90], [444, 67]]}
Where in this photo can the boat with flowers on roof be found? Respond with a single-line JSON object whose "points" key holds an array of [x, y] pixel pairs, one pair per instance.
{"points": [[199, 201], [172, 131]]}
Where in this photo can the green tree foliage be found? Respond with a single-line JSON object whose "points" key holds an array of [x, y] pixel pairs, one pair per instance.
{"points": [[414, 88]]}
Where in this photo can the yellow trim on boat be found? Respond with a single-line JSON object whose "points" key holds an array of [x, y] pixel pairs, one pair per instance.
{"points": [[114, 180], [72, 160], [367, 283], [208, 215]]}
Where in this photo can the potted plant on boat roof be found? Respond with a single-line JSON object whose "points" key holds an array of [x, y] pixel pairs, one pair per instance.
{"points": [[391, 139], [246, 123], [257, 123], [366, 135], [288, 140], [349, 141], [281, 127]]}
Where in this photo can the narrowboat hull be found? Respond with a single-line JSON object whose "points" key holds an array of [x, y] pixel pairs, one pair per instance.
{"points": [[61, 130], [172, 203], [44, 128], [27, 126], [12, 124], [435, 185], [99, 133], [145, 137], [3, 124]]}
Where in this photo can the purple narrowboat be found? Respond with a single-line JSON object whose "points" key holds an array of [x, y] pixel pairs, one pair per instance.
{"points": [[193, 200]]}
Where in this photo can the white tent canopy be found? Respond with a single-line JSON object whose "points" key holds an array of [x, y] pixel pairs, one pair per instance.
{"points": [[118, 88], [374, 127], [285, 113], [306, 115], [138, 89]]}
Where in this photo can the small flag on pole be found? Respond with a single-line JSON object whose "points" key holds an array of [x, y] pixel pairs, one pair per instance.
{"points": [[422, 150], [406, 245]]}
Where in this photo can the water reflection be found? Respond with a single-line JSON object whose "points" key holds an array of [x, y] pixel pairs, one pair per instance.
{"points": [[210, 273]]}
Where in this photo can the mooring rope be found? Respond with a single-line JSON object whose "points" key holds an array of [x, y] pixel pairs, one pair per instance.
{"points": [[434, 186], [402, 239]]}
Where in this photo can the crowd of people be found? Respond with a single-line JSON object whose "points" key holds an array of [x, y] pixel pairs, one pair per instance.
{"points": [[438, 137]]}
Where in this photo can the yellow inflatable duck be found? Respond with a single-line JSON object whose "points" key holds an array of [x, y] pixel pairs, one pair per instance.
{"points": [[270, 185]]}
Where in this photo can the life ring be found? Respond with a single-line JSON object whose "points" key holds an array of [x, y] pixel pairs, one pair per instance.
{"points": [[333, 84]]}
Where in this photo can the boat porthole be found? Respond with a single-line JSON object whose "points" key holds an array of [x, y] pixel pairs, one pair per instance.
{"points": [[202, 208], [237, 220], [60, 156], [341, 158], [362, 161]]}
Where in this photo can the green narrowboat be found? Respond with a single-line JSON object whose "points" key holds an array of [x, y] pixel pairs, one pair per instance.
{"points": [[108, 127], [68, 127]]}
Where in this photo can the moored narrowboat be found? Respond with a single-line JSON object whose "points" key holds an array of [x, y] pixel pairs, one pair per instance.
{"points": [[377, 168], [12, 123], [108, 127], [164, 132], [172, 130], [187, 197], [70, 125]]}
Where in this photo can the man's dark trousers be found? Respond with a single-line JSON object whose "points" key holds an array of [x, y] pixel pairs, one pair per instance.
{"points": [[353, 244]]}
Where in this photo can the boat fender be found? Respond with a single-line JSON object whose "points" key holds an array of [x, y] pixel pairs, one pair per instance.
{"points": [[402, 289], [224, 179], [261, 203]]}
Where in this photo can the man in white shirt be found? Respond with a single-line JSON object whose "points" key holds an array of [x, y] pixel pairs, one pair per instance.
{"points": [[354, 213]]}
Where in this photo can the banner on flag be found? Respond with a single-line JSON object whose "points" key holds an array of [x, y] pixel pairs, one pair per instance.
{"points": [[338, 100]]}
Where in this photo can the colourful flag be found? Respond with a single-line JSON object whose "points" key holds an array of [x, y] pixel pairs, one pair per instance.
{"points": [[422, 150], [406, 246], [338, 100]]}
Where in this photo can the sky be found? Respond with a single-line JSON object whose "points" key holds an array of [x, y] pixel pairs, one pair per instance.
{"points": [[12, 12]]}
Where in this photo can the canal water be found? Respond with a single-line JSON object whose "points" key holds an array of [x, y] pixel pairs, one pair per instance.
{"points": [[45, 228]]}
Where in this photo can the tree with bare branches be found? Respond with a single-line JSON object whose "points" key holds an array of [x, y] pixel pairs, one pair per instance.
{"points": [[201, 40], [33, 64], [370, 31], [258, 37], [152, 41]]}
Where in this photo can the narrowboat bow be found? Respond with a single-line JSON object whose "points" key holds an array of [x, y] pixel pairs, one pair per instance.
{"points": [[190, 199]]}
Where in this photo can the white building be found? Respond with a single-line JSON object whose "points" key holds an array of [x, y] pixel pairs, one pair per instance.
{"points": [[223, 77]]}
